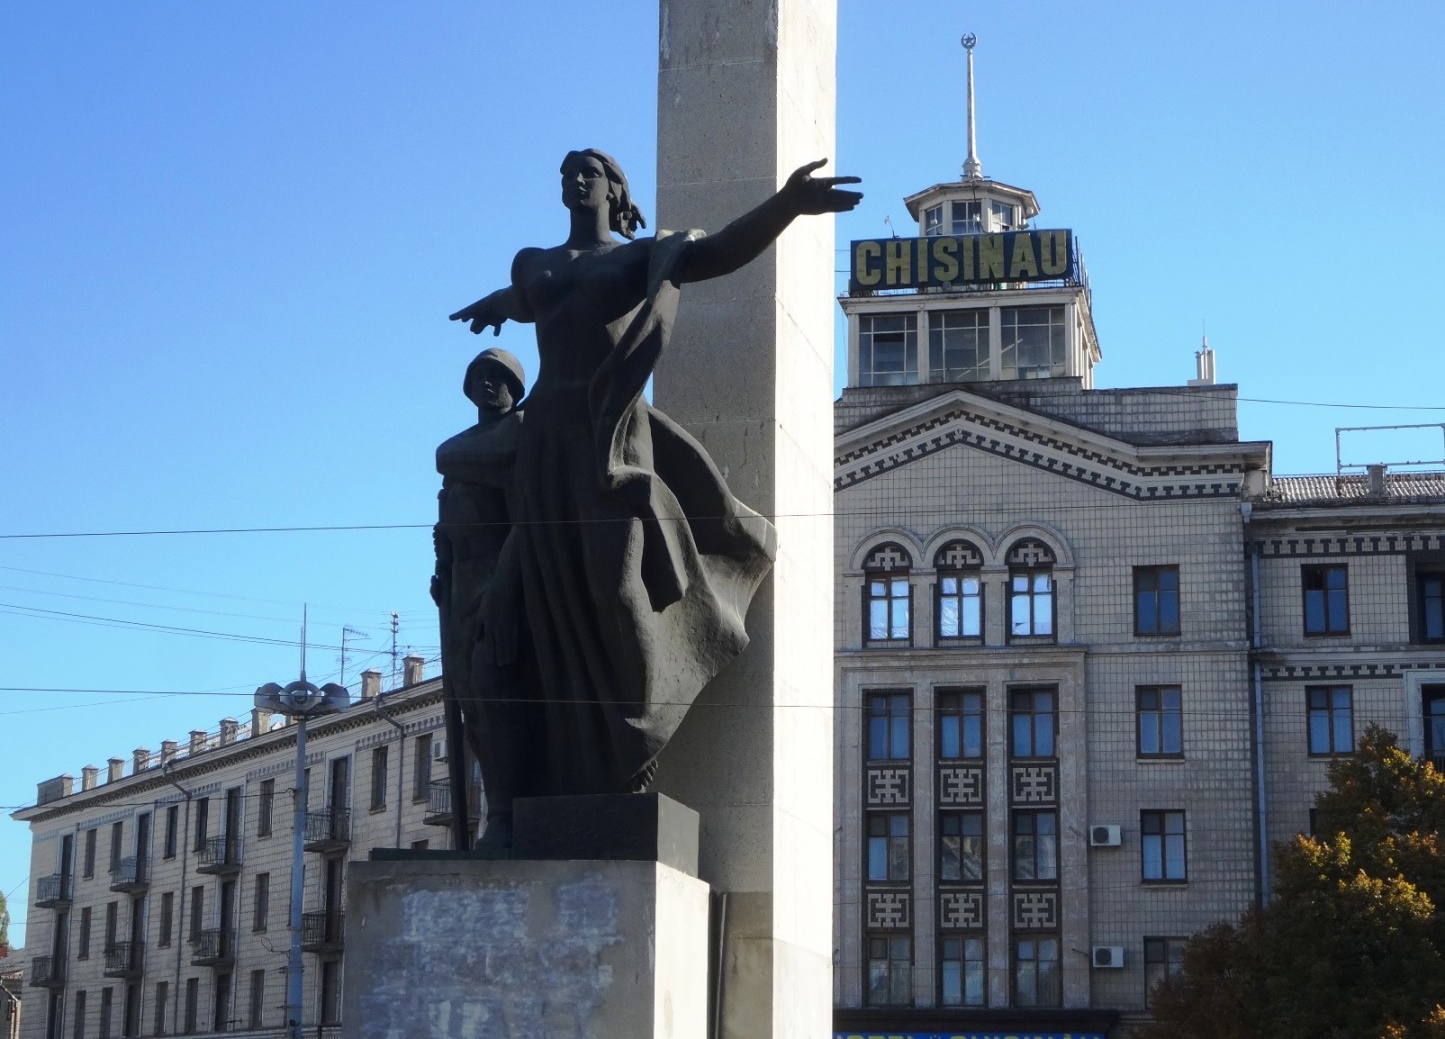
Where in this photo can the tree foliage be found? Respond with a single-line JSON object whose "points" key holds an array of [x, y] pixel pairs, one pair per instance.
{"points": [[4, 922], [1352, 945]]}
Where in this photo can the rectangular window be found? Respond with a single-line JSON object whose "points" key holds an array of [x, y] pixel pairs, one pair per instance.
{"points": [[168, 916], [1331, 719], [257, 1017], [1031, 721], [173, 827], [378, 777], [1032, 342], [88, 869], [1156, 600], [1163, 958], [82, 951], [960, 846], [198, 911], [80, 1015], [1159, 721], [203, 811], [888, 848], [1035, 846], [193, 1004], [267, 808], [1031, 603], [960, 972], [330, 992], [262, 910], [163, 999], [960, 723], [1036, 972], [933, 220], [1326, 599], [130, 1020], [117, 845], [1000, 216], [888, 349], [421, 774], [112, 924], [958, 345], [888, 725], [1161, 841], [960, 605], [106, 1006], [1430, 590], [221, 1007], [890, 598], [890, 970], [967, 216]]}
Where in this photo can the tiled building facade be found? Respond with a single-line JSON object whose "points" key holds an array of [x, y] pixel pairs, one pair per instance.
{"points": [[161, 896]]}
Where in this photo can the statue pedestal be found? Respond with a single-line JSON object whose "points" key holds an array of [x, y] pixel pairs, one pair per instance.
{"points": [[462, 947]]}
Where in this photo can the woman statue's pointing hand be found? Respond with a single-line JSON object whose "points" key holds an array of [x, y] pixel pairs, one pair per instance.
{"points": [[813, 195]]}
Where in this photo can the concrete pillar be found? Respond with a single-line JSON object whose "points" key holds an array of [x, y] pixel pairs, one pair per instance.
{"points": [[140, 760], [260, 721], [230, 728], [370, 683], [114, 769], [168, 751], [746, 95], [412, 669], [88, 776]]}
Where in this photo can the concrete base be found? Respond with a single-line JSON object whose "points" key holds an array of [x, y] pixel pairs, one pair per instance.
{"points": [[497, 949]]}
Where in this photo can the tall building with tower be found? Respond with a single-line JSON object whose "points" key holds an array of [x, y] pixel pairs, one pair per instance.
{"points": [[1092, 655]]}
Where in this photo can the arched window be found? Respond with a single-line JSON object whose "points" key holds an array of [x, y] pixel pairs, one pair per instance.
{"points": [[960, 591], [887, 597], [1031, 590]]}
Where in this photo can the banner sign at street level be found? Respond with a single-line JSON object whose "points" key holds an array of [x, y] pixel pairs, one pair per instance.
{"points": [[968, 1035], [972, 259]]}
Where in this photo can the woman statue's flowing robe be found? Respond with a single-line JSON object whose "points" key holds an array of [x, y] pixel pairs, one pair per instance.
{"points": [[636, 562]]}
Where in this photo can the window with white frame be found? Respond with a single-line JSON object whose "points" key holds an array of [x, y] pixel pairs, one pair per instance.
{"points": [[887, 595], [1033, 342], [967, 216], [888, 349], [958, 345], [1031, 590], [933, 220], [959, 613], [1001, 216]]}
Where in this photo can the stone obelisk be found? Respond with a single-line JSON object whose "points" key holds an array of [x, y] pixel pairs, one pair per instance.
{"points": [[746, 93]]}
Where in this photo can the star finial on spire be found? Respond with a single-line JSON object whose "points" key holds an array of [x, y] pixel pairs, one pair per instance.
{"points": [[972, 168]]}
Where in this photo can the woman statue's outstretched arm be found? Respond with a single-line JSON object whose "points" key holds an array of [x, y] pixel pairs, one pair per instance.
{"points": [[746, 237]]}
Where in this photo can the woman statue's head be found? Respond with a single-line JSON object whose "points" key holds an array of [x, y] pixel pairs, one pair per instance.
{"points": [[624, 218]]}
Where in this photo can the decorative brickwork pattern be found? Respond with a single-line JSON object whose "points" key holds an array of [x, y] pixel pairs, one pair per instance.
{"points": [[958, 555], [1034, 784], [960, 785], [888, 556], [889, 786], [1035, 910], [1351, 545], [960, 910], [1030, 552], [890, 910]]}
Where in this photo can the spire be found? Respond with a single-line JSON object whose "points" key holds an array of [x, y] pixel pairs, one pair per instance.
{"points": [[972, 168]]}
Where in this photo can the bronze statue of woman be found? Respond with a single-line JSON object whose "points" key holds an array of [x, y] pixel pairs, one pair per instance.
{"points": [[635, 563]]}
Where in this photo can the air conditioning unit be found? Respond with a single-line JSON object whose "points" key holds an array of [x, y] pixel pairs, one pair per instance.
{"points": [[1109, 956], [438, 750], [1105, 836]]}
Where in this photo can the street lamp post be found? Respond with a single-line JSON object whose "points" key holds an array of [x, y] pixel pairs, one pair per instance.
{"points": [[302, 701]]}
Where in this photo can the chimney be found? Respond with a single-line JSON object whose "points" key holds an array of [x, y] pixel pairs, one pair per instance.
{"points": [[229, 728], [115, 768], [54, 789], [260, 721], [87, 777], [142, 760], [412, 669], [168, 751], [370, 683], [198, 741], [1375, 476]]}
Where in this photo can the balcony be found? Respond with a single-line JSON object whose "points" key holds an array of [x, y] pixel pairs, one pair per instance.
{"points": [[323, 931], [439, 803], [213, 948], [46, 971], [124, 960], [52, 892], [328, 830], [219, 856], [130, 874]]}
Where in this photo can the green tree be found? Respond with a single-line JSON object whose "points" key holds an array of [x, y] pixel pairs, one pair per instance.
{"points": [[1351, 946], [4, 923]]}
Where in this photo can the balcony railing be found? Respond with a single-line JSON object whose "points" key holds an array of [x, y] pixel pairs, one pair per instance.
{"points": [[328, 830], [213, 948], [52, 892], [129, 874], [322, 931], [124, 960], [1436, 758], [47, 972], [439, 803], [219, 855]]}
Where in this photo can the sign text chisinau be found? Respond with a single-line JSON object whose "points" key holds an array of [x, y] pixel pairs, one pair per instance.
{"points": [[907, 263]]}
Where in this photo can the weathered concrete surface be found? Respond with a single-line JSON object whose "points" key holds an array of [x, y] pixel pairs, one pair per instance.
{"points": [[745, 95], [517, 949]]}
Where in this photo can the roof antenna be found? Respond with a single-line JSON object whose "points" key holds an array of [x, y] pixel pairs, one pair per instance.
{"points": [[303, 642], [972, 168], [1203, 360]]}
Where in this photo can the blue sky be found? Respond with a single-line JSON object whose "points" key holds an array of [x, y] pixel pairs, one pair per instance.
{"points": [[231, 234]]}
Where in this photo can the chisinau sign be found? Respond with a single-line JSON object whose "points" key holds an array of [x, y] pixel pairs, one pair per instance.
{"points": [[908, 263]]}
